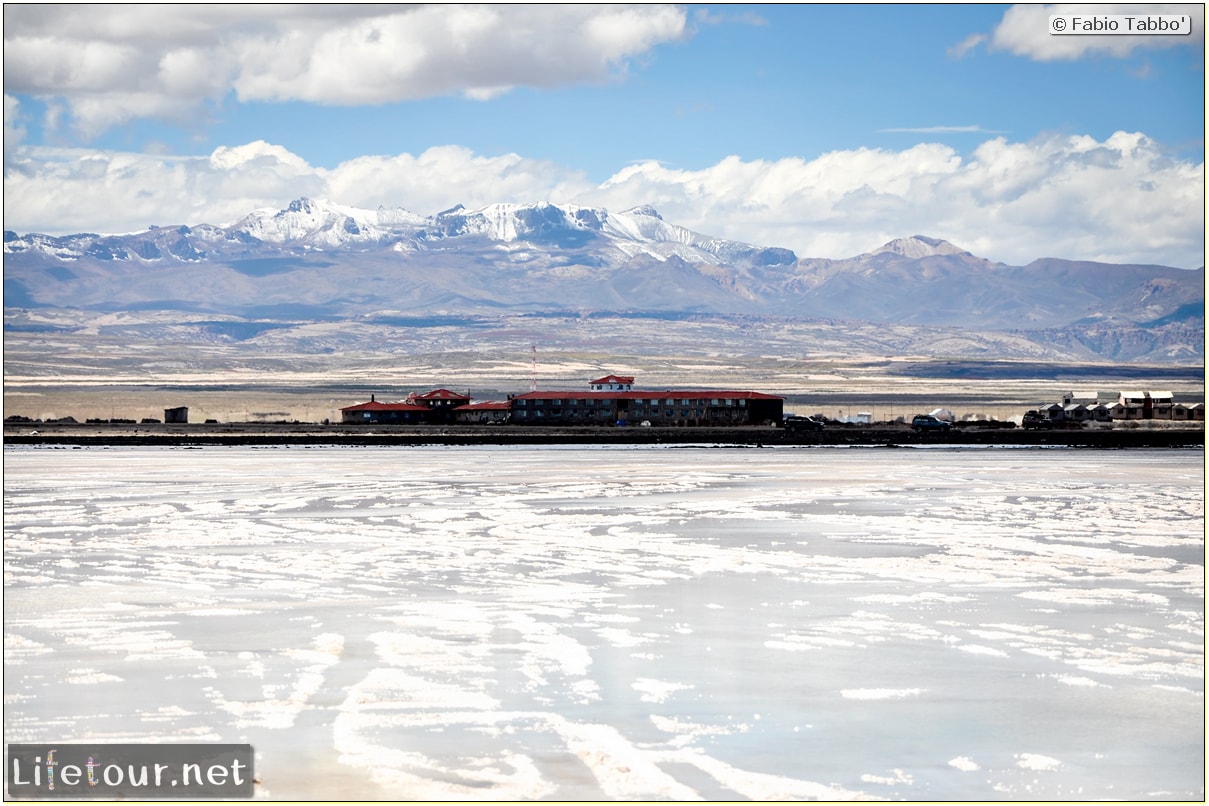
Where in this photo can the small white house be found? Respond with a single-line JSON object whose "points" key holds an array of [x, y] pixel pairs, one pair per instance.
{"points": [[1075, 412], [1160, 405], [1054, 411]]}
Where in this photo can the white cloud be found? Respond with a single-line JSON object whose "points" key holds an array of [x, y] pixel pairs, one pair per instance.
{"points": [[1024, 31], [966, 45], [446, 175], [14, 130], [113, 63], [81, 190], [1123, 199]]}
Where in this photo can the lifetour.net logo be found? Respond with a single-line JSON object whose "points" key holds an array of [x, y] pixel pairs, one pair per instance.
{"points": [[129, 771]]}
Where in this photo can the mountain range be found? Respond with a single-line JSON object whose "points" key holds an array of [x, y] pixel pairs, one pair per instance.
{"points": [[317, 261]]}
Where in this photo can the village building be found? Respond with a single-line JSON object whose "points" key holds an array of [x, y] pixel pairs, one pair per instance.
{"points": [[612, 383], [439, 399], [625, 406], [489, 412], [375, 413], [1075, 412], [1087, 396], [1139, 405], [1188, 411], [1052, 412], [1160, 405], [440, 402], [1130, 405], [179, 414]]}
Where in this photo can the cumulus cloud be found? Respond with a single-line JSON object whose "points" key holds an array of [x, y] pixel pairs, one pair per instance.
{"points": [[443, 176], [113, 63], [60, 191], [1123, 199], [79, 190], [1024, 31]]}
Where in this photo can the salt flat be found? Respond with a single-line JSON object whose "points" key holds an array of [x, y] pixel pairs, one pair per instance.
{"points": [[620, 623]]}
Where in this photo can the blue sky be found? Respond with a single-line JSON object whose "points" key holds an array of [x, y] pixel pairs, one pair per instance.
{"points": [[827, 129]]}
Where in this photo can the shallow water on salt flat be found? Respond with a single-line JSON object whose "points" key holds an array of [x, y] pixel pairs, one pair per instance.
{"points": [[620, 623]]}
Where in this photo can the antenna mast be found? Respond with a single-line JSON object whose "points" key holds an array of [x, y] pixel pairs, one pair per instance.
{"points": [[533, 380]]}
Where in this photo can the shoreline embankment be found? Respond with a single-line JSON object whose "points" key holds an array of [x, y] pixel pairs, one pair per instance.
{"points": [[306, 434]]}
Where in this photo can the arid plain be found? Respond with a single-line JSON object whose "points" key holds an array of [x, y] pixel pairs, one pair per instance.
{"points": [[886, 388]]}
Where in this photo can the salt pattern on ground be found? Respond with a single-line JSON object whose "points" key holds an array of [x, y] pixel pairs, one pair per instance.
{"points": [[619, 623]]}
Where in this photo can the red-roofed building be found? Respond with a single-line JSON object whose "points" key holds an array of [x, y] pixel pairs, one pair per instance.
{"points": [[485, 413], [673, 407], [618, 405], [439, 399], [441, 402], [612, 383], [374, 412]]}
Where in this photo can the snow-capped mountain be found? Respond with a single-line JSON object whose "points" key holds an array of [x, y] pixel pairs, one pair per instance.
{"points": [[323, 224], [308, 224], [318, 259]]}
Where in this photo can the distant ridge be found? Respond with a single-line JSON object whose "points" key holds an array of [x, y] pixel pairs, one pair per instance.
{"points": [[918, 246], [319, 259]]}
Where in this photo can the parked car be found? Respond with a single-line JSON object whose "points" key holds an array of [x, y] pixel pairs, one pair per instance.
{"points": [[796, 422], [927, 422], [1035, 419]]}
